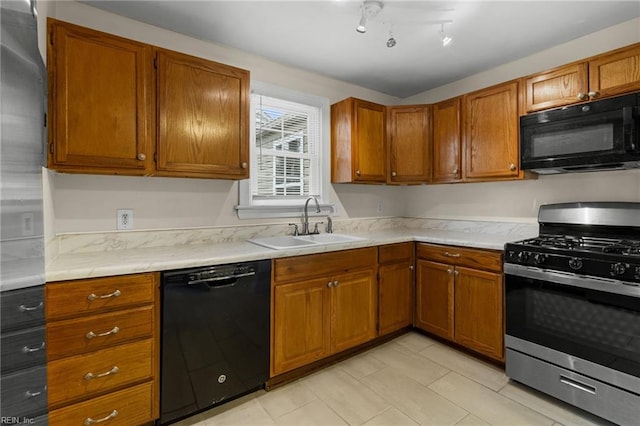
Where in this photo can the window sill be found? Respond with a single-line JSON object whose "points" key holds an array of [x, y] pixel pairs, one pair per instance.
{"points": [[265, 212]]}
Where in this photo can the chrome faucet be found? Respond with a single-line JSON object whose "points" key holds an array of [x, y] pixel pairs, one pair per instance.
{"points": [[305, 224]]}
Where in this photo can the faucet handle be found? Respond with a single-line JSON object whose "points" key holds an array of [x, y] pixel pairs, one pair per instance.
{"points": [[315, 227], [329, 225], [295, 229]]}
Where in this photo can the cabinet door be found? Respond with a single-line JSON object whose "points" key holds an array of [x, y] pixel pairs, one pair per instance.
{"points": [[615, 72], [369, 143], [434, 298], [446, 141], [558, 87], [101, 103], [491, 133], [409, 144], [203, 113], [395, 296], [478, 311], [354, 298], [301, 321]]}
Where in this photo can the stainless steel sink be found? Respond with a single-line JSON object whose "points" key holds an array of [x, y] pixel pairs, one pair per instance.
{"points": [[301, 241]]}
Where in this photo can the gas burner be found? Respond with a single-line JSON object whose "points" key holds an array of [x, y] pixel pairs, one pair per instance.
{"points": [[624, 247], [557, 241]]}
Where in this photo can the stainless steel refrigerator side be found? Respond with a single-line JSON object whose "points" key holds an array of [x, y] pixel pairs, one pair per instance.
{"points": [[23, 377], [22, 143]]}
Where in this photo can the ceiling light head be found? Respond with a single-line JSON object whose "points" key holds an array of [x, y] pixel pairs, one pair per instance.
{"points": [[391, 42], [443, 37], [370, 9], [361, 28]]}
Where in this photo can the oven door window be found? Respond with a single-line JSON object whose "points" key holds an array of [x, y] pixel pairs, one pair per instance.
{"points": [[600, 327]]}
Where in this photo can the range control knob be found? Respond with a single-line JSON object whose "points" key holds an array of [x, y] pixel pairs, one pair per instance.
{"points": [[539, 258], [523, 256], [618, 269], [575, 263]]}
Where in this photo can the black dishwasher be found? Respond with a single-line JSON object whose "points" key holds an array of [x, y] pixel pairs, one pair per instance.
{"points": [[215, 336]]}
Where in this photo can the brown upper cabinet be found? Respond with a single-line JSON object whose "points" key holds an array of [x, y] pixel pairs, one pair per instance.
{"points": [[447, 149], [117, 106], [491, 138], [358, 142], [609, 74], [409, 133]]}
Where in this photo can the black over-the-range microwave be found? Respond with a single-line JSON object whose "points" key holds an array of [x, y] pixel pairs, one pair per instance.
{"points": [[599, 135]]}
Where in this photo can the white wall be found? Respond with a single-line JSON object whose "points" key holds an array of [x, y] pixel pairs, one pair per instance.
{"points": [[84, 203]]}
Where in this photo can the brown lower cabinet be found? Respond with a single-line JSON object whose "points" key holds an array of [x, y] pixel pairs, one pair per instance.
{"points": [[322, 304], [459, 296], [102, 350], [395, 287]]}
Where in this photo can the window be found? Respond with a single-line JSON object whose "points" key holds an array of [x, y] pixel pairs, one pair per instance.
{"points": [[289, 153]]}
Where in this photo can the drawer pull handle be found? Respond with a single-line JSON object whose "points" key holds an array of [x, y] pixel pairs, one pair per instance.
{"points": [[91, 376], [578, 385], [93, 296], [28, 350], [31, 308], [89, 421], [29, 394], [91, 334], [446, 253]]}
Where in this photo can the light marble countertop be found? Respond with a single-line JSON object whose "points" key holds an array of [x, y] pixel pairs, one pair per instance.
{"points": [[69, 266]]}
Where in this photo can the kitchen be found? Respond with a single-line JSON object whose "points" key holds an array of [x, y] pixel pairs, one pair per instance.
{"points": [[79, 209]]}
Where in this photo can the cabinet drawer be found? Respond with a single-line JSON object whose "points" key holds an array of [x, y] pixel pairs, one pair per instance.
{"points": [[112, 368], [132, 406], [24, 393], [303, 267], [82, 297], [472, 258], [392, 253], [22, 308], [81, 335], [22, 349]]}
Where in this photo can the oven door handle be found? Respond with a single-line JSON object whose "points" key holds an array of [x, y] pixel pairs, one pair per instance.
{"points": [[574, 280]]}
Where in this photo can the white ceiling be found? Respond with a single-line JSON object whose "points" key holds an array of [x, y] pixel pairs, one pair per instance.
{"points": [[320, 36]]}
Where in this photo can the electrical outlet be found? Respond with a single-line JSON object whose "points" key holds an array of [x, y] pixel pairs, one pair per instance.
{"points": [[379, 207], [124, 219]]}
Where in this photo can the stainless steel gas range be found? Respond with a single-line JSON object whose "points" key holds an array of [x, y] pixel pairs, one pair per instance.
{"points": [[573, 308]]}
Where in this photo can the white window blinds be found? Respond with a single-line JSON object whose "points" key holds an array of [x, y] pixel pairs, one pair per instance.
{"points": [[286, 164]]}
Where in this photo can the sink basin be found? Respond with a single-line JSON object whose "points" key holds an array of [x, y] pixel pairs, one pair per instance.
{"points": [[301, 241]]}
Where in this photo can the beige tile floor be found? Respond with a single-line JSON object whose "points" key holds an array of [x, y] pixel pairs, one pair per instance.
{"points": [[412, 380]]}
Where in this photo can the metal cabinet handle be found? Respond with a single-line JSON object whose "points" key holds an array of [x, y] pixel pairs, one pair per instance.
{"points": [[29, 394], [446, 253], [93, 296], [449, 271], [394, 174], [28, 350], [91, 376], [411, 267], [89, 421], [357, 172], [142, 157], [244, 165], [512, 167], [31, 308], [91, 334], [593, 94], [581, 96], [455, 171], [456, 272]]}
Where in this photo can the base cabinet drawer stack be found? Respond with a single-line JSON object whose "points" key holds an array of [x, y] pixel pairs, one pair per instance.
{"points": [[102, 350], [459, 296], [22, 343]]}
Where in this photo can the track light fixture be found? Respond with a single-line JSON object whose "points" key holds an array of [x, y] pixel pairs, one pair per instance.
{"points": [[370, 9], [443, 37]]}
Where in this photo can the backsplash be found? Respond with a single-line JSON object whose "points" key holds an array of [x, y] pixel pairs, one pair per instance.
{"points": [[75, 243]]}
